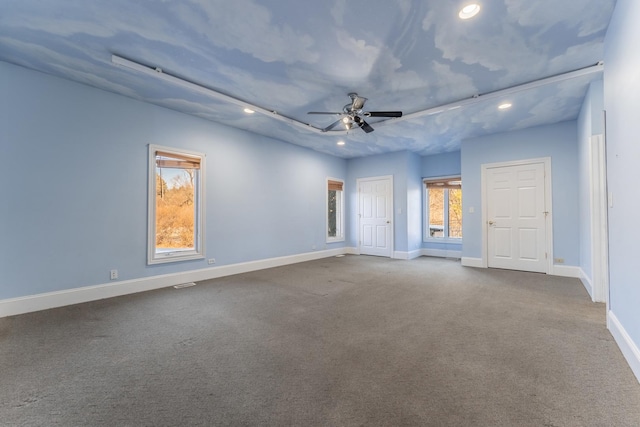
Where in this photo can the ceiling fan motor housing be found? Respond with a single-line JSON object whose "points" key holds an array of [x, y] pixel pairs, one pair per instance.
{"points": [[357, 102]]}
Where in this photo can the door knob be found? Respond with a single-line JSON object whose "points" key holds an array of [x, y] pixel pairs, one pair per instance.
{"points": [[388, 222], [491, 222]]}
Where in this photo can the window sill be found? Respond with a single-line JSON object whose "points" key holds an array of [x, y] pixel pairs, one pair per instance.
{"points": [[443, 240], [335, 240], [163, 258]]}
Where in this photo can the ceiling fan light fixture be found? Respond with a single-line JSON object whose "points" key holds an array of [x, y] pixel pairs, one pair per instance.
{"points": [[469, 11], [348, 122], [249, 111], [341, 143], [504, 106]]}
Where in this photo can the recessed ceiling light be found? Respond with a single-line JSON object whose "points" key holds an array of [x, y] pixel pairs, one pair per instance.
{"points": [[340, 142], [504, 106], [469, 11], [249, 111]]}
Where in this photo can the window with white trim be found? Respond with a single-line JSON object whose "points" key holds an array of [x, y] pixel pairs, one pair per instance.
{"points": [[335, 210], [176, 205], [443, 208]]}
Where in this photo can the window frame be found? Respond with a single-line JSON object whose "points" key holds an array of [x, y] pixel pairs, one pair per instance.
{"points": [[153, 257], [340, 237], [425, 196]]}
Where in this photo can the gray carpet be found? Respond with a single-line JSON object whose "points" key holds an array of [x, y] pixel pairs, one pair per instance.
{"points": [[335, 342]]}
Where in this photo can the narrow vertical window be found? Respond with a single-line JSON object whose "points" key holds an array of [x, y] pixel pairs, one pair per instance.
{"points": [[335, 210], [436, 211], [443, 208], [455, 213], [175, 205]]}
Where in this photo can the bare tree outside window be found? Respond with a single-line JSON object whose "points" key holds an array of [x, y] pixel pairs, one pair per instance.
{"points": [[175, 210], [455, 213], [444, 208]]}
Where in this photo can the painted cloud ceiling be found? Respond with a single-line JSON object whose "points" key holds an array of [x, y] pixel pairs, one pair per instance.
{"points": [[293, 57]]}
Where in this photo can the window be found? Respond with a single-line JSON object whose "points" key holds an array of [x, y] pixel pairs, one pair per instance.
{"points": [[443, 208], [176, 205], [335, 210]]}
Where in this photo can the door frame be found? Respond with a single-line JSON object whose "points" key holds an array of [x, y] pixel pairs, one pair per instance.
{"points": [[359, 181], [546, 161], [599, 223]]}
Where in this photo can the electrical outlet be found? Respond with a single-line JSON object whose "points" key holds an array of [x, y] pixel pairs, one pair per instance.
{"points": [[313, 247], [114, 274], [558, 260], [211, 261]]}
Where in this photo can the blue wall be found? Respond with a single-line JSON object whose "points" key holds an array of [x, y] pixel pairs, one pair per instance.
{"points": [[74, 186], [558, 141], [414, 202], [590, 122], [622, 103], [439, 165]]}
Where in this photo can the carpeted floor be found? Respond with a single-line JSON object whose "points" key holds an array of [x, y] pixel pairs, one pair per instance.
{"points": [[336, 342]]}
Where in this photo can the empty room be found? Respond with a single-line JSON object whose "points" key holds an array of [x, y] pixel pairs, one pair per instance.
{"points": [[319, 213]]}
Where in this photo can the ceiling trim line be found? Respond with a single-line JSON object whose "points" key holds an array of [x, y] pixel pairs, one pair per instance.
{"points": [[597, 68], [159, 73]]}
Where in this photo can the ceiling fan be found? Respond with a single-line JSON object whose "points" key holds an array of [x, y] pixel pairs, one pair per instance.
{"points": [[352, 114]]}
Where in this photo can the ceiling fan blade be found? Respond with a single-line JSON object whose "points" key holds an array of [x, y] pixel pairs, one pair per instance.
{"points": [[332, 125], [363, 125], [324, 112], [383, 113], [366, 127]]}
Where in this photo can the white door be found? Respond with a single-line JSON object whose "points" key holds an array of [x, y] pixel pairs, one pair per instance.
{"points": [[376, 209], [516, 217]]}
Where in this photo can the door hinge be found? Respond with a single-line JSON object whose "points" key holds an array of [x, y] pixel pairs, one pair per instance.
{"points": [[545, 255]]}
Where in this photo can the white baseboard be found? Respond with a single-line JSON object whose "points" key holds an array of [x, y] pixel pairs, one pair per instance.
{"points": [[629, 349], [586, 282], [352, 251], [44, 301], [472, 262], [442, 253], [400, 255], [566, 271], [558, 270], [407, 255]]}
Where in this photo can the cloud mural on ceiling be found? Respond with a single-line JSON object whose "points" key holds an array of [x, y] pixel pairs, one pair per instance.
{"points": [[295, 57]]}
